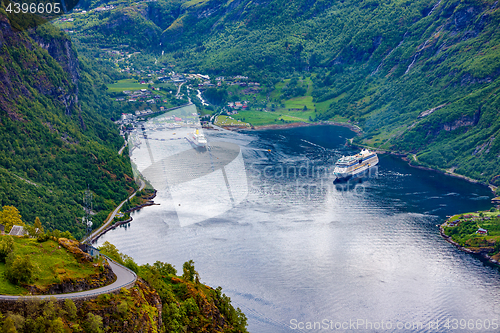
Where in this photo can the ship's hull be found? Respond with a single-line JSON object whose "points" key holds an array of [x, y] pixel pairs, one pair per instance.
{"points": [[358, 177]]}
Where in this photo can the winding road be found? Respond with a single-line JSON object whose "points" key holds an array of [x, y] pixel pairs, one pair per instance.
{"points": [[179, 90], [122, 148], [125, 278], [96, 233]]}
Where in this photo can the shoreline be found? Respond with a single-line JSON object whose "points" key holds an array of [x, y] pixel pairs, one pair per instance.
{"points": [[484, 254], [404, 157], [354, 128], [150, 202], [358, 131], [110, 227]]}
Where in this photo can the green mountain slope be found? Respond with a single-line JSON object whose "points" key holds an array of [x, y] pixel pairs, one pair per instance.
{"points": [[417, 76], [160, 301], [55, 138]]}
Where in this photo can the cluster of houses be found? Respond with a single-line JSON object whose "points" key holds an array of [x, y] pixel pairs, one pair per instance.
{"points": [[142, 95], [237, 80], [103, 8], [174, 77], [98, 9], [145, 74], [198, 76], [139, 113], [230, 80], [128, 118], [480, 231], [237, 106]]}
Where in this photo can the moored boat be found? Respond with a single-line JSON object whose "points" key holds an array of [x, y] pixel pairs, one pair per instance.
{"points": [[197, 139]]}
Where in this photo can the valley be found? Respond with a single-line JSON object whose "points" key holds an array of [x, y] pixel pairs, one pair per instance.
{"points": [[419, 78]]}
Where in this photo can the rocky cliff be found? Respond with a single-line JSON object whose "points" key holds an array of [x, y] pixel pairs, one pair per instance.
{"points": [[51, 120], [36, 62]]}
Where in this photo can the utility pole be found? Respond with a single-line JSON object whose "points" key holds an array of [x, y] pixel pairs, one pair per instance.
{"points": [[87, 206]]}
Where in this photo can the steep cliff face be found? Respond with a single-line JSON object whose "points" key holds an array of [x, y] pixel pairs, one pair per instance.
{"points": [[61, 50], [381, 64], [40, 62], [459, 65], [50, 121]]}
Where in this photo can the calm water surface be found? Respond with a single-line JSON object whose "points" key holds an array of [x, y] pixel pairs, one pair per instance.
{"points": [[300, 249]]}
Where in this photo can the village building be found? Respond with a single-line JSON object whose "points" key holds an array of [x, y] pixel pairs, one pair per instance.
{"points": [[17, 230], [481, 231]]}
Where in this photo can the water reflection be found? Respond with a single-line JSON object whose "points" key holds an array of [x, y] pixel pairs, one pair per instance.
{"points": [[356, 183], [298, 248]]}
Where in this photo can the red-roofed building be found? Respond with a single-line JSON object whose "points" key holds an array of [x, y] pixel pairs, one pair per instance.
{"points": [[481, 231]]}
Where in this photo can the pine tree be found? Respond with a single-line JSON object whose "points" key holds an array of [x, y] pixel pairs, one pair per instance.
{"points": [[38, 225], [8, 326], [6, 247]]}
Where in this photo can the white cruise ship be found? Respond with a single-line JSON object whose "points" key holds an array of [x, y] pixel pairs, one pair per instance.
{"points": [[351, 166], [197, 139]]}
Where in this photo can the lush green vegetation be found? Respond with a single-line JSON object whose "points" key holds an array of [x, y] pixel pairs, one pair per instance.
{"points": [[187, 304], [125, 84], [38, 259], [229, 121], [56, 139], [40, 264], [129, 311], [374, 63], [141, 198], [463, 229], [42, 259]]}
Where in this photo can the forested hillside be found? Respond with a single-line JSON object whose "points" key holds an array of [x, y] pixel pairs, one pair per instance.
{"points": [[55, 136], [418, 76]]}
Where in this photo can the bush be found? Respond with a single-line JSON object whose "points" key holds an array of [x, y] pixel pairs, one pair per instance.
{"points": [[122, 308], [19, 269], [130, 264], [111, 251], [71, 309], [94, 323], [9, 326], [42, 237], [164, 269], [6, 247], [189, 273], [9, 217]]}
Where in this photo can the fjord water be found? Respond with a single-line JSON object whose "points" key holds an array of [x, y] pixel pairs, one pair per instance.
{"points": [[301, 249]]}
